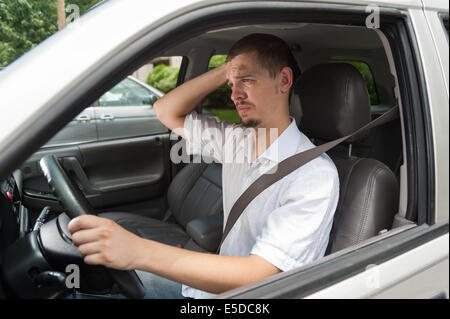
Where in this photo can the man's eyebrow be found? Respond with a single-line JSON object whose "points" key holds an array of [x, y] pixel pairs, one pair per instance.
{"points": [[249, 75]]}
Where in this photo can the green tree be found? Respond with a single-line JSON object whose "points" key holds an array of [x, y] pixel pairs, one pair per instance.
{"points": [[163, 77], [25, 23]]}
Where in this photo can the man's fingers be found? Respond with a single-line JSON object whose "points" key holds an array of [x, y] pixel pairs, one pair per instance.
{"points": [[89, 248], [101, 241], [90, 235], [94, 259], [84, 222], [102, 258]]}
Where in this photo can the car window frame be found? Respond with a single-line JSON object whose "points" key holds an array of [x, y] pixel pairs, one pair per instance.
{"points": [[339, 266], [316, 277], [400, 19], [442, 17], [209, 17]]}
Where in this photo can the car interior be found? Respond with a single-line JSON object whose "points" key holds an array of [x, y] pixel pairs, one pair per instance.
{"points": [[133, 181]]}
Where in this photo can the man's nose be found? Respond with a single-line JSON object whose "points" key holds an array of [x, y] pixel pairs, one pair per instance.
{"points": [[238, 94]]}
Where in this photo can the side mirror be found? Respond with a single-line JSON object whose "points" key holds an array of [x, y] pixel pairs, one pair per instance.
{"points": [[152, 99]]}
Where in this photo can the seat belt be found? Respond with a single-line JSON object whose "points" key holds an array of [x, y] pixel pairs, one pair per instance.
{"points": [[289, 165]]}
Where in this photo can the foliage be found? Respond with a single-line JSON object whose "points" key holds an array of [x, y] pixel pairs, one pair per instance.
{"points": [[217, 60], [221, 97], [230, 115], [25, 23], [163, 77]]}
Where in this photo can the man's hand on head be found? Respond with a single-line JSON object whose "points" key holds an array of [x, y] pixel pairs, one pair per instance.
{"points": [[173, 107], [103, 242]]}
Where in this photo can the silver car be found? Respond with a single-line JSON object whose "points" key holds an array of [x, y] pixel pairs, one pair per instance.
{"points": [[123, 111]]}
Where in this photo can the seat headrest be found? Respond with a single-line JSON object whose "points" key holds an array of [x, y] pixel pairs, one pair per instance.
{"points": [[335, 101], [295, 108]]}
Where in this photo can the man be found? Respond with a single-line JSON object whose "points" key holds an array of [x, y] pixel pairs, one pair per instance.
{"points": [[285, 227]]}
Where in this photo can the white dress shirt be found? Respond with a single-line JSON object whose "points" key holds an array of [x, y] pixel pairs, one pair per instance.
{"points": [[289, 223]]}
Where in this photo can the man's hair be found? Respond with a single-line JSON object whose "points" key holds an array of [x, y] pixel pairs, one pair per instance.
{"points": [[272, 53]]}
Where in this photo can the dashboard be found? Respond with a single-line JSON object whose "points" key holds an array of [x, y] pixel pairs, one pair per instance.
{"points": [[13, 215], [9, 188]]}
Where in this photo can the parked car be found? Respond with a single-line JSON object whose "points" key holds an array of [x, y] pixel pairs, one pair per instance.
{"points": [[390, 235], [126, 110]]}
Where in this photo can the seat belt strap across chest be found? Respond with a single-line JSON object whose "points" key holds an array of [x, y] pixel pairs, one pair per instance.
{"points": [[289, 165]]}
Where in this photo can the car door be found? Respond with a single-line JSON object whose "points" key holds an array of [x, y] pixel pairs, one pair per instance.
{"points": [[82, 129]]}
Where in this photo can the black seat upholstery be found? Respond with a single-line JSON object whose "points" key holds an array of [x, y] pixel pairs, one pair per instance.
{"points": [[335, 102], [195, 192]]}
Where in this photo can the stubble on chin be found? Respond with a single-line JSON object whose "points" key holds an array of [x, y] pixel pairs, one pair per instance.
{"points": [[251, 123]]}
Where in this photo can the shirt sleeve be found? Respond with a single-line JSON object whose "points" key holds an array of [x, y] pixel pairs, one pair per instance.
{"points": [[205, 136], [297, 232]]}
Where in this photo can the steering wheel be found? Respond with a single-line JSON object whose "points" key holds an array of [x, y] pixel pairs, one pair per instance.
{"points": [[76, 204]]}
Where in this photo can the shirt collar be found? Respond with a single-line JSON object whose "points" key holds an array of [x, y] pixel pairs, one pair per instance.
{"points": [[284, 146]]}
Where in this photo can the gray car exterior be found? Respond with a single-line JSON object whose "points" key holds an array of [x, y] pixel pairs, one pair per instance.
{"points": [[124, 111]]}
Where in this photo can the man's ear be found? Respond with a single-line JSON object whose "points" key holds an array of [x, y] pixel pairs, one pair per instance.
{"points": [[286, 79]]}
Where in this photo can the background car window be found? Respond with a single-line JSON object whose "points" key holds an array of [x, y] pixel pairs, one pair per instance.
{"points": [[218, 103], [127, 92], [125, 110]]}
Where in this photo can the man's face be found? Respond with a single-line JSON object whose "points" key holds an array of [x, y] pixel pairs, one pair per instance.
{"points": [[254, 92]]}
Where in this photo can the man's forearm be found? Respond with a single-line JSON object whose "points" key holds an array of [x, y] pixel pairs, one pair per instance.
{"points": [[208, 272], [182, 100], [104, 242]]}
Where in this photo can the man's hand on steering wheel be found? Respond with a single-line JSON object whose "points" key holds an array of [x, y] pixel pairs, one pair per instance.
{"points": [[105, 250], [103, 242]]}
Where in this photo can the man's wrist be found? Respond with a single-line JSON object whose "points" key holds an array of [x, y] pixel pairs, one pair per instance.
{"points": [[142, 252], [222, 70]]}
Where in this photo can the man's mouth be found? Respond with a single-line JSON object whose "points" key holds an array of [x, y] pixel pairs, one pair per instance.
{"points": [[242, 109]]}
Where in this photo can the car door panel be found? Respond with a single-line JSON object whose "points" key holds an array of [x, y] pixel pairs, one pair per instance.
{"points": [[82, 129], [112, 174], [125, 166], [126, 121]]}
